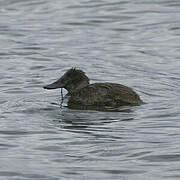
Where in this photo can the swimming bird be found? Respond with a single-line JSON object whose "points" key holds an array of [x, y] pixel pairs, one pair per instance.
{"points": [[82, 93]]}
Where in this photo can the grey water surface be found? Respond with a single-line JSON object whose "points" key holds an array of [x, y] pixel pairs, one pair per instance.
{"points": [[135, 43]]}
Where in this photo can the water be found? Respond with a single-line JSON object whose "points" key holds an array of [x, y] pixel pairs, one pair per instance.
{"points": [[135, 43]]}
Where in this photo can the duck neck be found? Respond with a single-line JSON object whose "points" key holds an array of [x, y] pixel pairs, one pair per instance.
{"points": [[71, 88]]}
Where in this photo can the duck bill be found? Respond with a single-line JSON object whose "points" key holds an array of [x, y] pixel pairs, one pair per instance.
{"points": [[54, 85]]}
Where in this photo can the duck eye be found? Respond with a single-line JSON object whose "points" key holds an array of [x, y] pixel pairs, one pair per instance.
{"points": [[66, 79]]}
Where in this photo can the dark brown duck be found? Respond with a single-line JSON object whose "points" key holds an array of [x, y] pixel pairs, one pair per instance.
{"points": [[81, 93]]}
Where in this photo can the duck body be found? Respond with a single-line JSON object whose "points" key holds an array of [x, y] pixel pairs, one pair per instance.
{"points": [[104, 94], [81, 93]]}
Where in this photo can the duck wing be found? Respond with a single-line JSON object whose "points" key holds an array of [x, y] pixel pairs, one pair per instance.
{"points": [[104, 94]]}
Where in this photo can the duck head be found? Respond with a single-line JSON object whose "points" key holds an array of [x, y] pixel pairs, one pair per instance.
{"points": [[72, 80]]}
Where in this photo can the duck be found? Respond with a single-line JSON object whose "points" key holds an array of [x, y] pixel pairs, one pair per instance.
{"points": [[83, 94]]}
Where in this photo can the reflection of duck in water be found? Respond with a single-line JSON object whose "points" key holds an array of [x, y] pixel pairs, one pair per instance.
{"points": [[98, 94]]}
